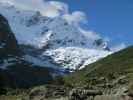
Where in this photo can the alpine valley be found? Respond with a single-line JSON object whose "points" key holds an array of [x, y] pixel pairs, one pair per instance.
{"points": [[50, 58]]}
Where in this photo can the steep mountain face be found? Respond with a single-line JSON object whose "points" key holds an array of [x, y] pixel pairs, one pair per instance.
{"points": [[8, 42], [112, 74], [15, 71], [54, 41]]}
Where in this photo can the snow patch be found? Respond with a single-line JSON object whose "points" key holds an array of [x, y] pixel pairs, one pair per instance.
{"points": [[75, 58]]}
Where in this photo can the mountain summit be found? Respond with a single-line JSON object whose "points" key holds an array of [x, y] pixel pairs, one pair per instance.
{"points": [[54, 41]]}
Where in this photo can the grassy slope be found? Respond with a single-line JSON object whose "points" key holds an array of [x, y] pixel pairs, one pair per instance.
{"points": [[120, 63]]}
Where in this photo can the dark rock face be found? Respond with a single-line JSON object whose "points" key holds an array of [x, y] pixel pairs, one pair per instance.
{"points": [[15, 72], [8, 42]]}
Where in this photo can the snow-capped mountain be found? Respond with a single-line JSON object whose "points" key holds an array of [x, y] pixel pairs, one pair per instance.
{"points": [[52, 41]]}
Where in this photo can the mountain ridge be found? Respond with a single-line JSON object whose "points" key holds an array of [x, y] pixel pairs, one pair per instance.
{"points": [[53, 36]]}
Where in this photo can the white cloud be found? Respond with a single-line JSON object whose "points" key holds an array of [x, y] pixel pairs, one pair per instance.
{"points": [[27, 4], [119, 47], [7, 1], [90, 34], [50, 9], [54, 9], [47, 8], [76, 17]]}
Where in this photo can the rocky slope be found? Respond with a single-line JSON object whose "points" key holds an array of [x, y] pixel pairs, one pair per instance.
{"points": [[53, 39], [112, 74], [8, 42]]}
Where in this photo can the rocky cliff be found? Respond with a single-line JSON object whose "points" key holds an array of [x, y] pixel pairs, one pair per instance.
{"points": [[8, 42]]}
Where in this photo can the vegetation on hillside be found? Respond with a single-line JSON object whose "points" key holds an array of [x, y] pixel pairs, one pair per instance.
{"points": [[116, 66]]}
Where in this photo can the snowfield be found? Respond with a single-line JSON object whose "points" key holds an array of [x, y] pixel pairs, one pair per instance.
{"points": [[75, 58]]}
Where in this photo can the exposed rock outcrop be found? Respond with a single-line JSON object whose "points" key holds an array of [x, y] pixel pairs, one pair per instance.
{"points": [[82, 94], [48, 91], [8, 42]]}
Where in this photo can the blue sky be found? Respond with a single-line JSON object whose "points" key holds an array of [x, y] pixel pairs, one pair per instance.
{"points": [[111, 18]]}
